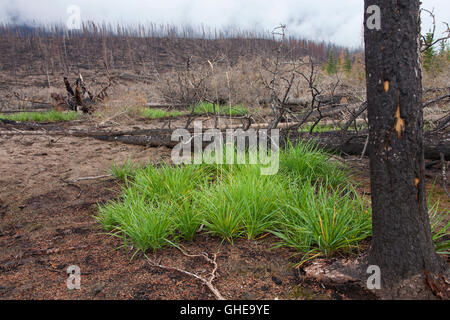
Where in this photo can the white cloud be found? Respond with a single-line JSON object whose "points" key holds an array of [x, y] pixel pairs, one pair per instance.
{"points": [[329, 20]]}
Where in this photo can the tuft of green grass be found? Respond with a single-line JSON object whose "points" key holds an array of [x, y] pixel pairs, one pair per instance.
{"points": [[125, 171], [311, 205], [440, 226], [160, 113], [233, 201], [306, 161], [149, 226], [168, 182], [317, 221], [187, 216], [206, 107], [51, 116], [328, 127], [318, 128], [242, 203]]}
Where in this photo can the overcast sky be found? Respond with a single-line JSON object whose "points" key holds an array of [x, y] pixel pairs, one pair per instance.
{"points": [[337, 21]]}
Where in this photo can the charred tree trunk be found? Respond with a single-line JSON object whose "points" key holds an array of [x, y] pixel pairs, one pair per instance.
{"points": [[402, 242]]}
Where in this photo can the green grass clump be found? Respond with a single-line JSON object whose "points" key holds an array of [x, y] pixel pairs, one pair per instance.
{"points": [[311, 205], [169, 183], [160, 113], [149, 226], [304, 206], [242, 204], [125, 171], [317, 221], [206, 107], [318, 128], [305, 161], [51, 116], [440, 226], [328, 127]]}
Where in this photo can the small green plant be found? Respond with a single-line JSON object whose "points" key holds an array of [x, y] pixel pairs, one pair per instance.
{"points": [[332, 63], [150, 226], [329, 127], [51, 116], [347, 62], [318, 128]]}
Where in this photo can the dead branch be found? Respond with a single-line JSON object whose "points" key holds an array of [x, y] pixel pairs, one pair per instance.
{"points": [[360, 111], [349, 143], [206, 280], [89, 178], [425, 43], [363, 108], [435, 100], [442, 124]]}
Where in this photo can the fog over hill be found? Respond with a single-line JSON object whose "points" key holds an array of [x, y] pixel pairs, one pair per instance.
{"points": [[339, 22]]}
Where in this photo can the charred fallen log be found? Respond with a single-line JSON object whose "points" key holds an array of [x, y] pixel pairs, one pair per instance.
{"points": [[338, 142], [350, 143]]}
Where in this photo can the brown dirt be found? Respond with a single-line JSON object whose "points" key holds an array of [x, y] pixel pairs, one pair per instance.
{"points": [[46, 225]]}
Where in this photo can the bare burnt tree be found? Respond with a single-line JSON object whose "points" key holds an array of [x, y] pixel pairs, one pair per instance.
{"points": [[431, 41], [402, 242]]}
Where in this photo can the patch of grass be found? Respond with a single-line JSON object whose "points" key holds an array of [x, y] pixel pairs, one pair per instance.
{"points": [[168, 183], [206, 107], [149, 226], [160, 113], [328, 127], [318, 128], [317, 221], [305, 161], [440, 226], [125, 171], [242, 203], [51, 116], [188, 217], [302, 206], [311, 205]]}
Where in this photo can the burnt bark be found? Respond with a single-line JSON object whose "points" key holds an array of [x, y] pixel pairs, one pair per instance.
{"points": [[351, 143], [402, 242]]}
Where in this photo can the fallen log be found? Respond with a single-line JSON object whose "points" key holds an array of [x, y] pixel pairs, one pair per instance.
{"points": [[350, 143], [339, 142]]}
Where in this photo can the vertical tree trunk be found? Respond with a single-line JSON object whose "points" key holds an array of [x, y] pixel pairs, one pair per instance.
{"points": [[402, 242]]}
